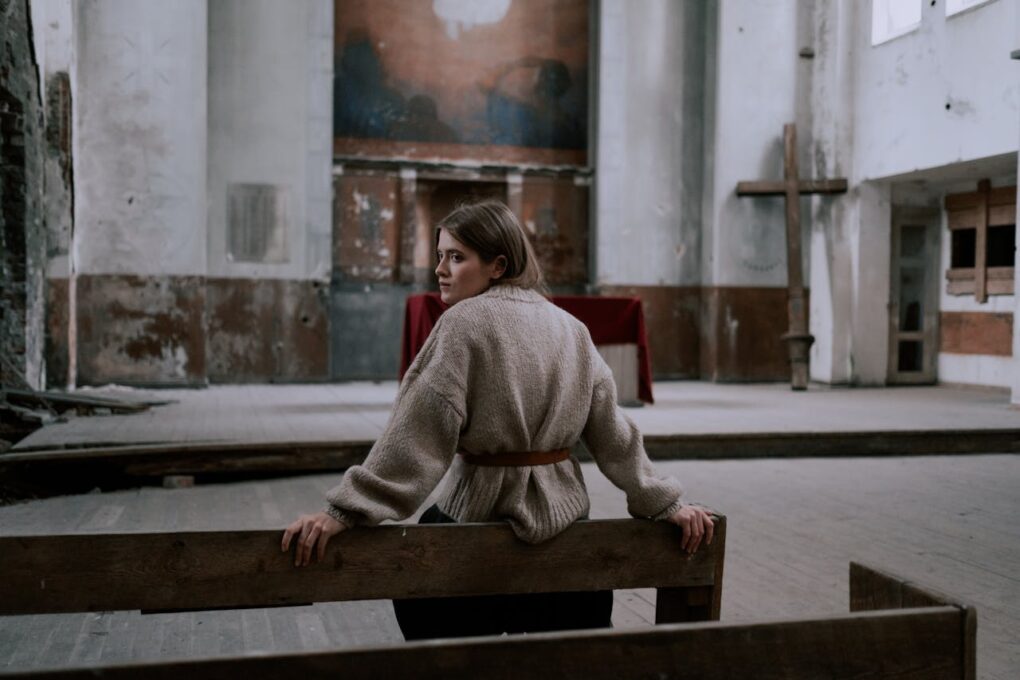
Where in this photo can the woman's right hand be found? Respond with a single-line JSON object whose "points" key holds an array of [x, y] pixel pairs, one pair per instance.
{"points": [[697, 524], [310, 530]]}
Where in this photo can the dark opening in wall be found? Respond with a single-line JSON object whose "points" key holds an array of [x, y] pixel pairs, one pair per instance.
{"points": [[1001, 245], [964, 248]]}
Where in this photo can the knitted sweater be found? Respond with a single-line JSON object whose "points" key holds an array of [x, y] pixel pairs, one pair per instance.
{"points": [[503, 371]]}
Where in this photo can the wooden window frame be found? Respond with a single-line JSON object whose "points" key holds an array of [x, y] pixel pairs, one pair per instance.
{"points": [[979, 210]]}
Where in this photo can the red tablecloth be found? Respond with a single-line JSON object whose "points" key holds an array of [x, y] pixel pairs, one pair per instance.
{"points": [[610, 320]]}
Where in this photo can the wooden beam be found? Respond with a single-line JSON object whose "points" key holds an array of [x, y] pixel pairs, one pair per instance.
{"points": [[797, 338], [196, 457], [804, 186], [910, 644], [95, 465], [229, 569], [871, 589], [981, 243]]}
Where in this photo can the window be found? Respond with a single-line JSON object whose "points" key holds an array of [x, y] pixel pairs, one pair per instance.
{"points": [[982, 228], [957, 6], [893, 18]]}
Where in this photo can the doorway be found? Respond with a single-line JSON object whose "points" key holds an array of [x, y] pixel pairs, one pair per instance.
{"points": [[913, 301]]}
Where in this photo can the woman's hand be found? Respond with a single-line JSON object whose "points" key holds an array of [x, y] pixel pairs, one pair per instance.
{"points": [[309, 530], [697, 524]]}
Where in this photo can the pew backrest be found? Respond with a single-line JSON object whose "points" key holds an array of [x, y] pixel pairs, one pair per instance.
{"points": [[232, 569], [915, 635]]}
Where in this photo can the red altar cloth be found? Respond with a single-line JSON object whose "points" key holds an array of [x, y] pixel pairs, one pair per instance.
{"points": [[610, 320]]}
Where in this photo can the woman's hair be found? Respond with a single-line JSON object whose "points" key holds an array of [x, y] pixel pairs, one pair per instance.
{"points": [[490, 229]]}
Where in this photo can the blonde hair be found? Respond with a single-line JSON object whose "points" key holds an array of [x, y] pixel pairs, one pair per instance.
{"points": [[490, 229]]}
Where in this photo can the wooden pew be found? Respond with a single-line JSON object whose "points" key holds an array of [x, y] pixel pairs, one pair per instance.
{"points": [[895, 629], [233, 569]]}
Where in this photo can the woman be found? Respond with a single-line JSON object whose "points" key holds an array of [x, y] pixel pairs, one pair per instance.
{"points": [[505, 384]]}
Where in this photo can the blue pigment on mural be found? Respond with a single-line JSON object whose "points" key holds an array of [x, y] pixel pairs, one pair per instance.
{"points": [[552, 114]]}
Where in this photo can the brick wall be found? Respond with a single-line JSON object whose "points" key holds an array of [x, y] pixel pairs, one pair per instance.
{"points": [[22, 232]]}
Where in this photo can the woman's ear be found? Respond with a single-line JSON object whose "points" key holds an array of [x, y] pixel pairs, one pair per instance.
{"points": [[498, 267]]}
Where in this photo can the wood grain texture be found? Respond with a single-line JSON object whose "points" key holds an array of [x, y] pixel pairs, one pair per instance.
{"points": [[871, 589], [207, 570], [804, 186], [911, 644]]}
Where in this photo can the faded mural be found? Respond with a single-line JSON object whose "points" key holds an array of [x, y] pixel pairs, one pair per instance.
{"points": [[482, 79]]}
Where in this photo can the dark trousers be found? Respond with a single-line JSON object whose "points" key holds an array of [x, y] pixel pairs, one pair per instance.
{"points": [[446, 617]]}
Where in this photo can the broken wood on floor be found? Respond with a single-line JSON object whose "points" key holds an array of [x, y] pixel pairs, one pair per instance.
{"points": [[59, 402]]}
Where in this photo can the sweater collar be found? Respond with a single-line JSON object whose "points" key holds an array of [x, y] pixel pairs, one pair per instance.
{"points": [[511, 292]]}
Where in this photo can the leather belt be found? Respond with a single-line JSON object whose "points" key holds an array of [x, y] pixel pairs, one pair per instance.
{"points": [[515, 458]]}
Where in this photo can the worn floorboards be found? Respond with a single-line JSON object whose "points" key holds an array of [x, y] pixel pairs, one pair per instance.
{"points": [[949, 522]]}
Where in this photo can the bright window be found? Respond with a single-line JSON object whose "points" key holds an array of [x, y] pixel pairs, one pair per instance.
{"points": [[893, 18], [957, 6]]}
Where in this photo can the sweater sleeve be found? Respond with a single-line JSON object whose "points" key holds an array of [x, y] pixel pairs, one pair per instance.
{"points": [[418, 445], [618, 449]]}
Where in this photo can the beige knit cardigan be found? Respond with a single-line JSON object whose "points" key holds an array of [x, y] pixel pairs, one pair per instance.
{"points": [[503, 371]]}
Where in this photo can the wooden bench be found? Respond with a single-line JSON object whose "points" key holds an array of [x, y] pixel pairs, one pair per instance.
{"points": [[895, 629]]}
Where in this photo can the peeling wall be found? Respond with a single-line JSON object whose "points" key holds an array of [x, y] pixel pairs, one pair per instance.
{"points": [[270, 68], [650, 112], [755, 93], [267, 330], [141, 330], [22, 209], [140, 151], [943, 93]]}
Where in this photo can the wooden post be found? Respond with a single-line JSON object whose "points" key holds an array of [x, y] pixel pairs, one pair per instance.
{"points": [[981, 243], [797, 338]]}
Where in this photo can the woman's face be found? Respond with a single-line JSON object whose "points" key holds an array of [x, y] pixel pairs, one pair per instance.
{"points": [[461, 272]]}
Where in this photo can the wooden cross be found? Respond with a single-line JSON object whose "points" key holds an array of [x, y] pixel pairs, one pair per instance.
{"points": [[797, 337]]}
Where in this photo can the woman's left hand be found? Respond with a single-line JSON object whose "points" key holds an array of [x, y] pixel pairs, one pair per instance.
{"points": [[310, 530], [697, 525]]}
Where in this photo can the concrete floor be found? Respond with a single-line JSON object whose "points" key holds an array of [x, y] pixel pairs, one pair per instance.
{"points": [[950, 522], [359, 411]]}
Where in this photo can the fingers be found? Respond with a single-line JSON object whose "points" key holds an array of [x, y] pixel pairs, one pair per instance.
{"points": [[291, 531], [310, 534], [698, 528], [697, 531], [322, 545], [307, 546]]}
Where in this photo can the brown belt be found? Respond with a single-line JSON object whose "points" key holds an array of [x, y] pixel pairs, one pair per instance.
{"points": [[515, 458]]}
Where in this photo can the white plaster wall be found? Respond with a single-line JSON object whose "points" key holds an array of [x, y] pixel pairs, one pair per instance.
{"points": [[975, 369], [904, 85], [835, 250], [140, 136], [648, 183], [1015, 363], [270, 122], [755, 90]]}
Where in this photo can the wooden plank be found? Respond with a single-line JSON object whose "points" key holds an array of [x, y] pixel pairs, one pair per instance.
{"points": [[911, 644], [94, 464], [871, 589], [981, 243], [207, 570], [328, 456], [997, 196], [804, 186], [832, 444], [62, 401]]}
